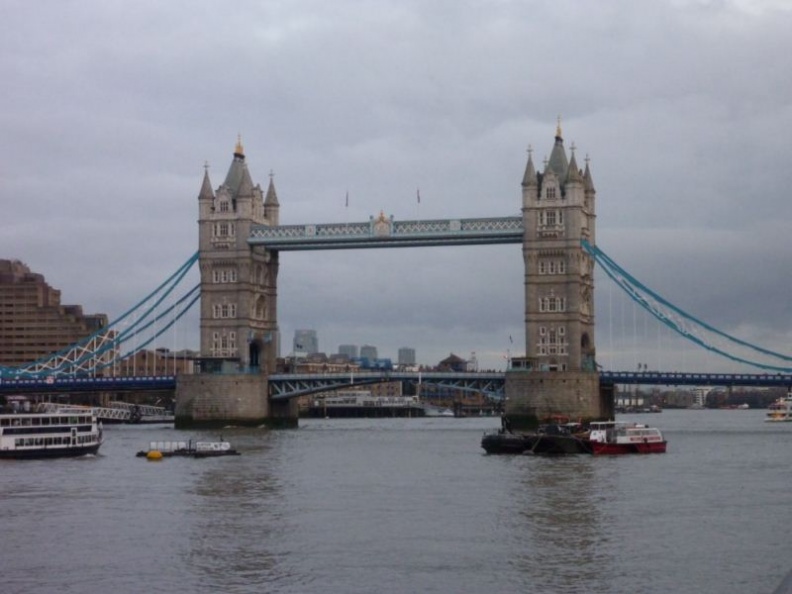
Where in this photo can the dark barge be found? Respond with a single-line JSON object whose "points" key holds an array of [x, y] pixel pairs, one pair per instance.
{"points": [[548, 439]]}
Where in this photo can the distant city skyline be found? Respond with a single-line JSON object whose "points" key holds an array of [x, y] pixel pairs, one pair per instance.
{"points": [[306, 340]]}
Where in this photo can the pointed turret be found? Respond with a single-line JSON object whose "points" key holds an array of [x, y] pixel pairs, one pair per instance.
{"points": [[206, 192], [271, 199], [588, 182], [573, 173], [271, 205], [245, 183], [529, 179]]}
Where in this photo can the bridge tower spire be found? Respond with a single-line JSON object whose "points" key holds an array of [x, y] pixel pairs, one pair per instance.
{"points": [[558, 374]]}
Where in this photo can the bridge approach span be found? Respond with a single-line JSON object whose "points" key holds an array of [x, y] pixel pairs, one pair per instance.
{"points": [[284, 386], [60, 384], [665, 378]]}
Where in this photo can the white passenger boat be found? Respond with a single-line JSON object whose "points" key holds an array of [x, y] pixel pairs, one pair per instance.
{"points": [[781, 410], [50, 435]]}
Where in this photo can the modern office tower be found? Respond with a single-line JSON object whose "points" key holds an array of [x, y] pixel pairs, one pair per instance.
{"points": [[33, 323], [306, 342], [406, 356], [350, 350], [368, 352]]}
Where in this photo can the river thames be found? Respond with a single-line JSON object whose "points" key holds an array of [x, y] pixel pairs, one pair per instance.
{"points": [[405, 505]]}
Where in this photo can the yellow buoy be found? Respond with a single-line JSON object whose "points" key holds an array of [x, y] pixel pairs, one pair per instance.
{"points": [[154, 455]]}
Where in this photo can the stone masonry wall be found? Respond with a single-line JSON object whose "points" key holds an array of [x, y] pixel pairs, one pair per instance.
{"points": [[534, 397], [207, 400]]}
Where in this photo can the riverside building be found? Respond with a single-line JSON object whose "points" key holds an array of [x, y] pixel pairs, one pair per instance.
{"points": [[33, 322]]}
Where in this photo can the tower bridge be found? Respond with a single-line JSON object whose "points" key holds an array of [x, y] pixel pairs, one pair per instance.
{"points": [[240, 240]]}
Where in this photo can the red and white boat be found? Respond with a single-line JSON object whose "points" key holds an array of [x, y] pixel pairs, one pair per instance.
{"points": [[618, 437]]}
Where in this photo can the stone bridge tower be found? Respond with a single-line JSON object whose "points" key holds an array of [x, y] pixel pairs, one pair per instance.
{"points": [[238, 282], [558, 376], [239, 332]]}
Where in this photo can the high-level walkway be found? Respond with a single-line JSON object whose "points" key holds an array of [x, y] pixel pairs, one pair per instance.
{"points": [[386, 232]]}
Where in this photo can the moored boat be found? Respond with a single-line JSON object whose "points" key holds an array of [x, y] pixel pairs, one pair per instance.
{"points": [[58, 434], [565, 438], [198, 449], [506, 442], [552, 438], [618, 437]]}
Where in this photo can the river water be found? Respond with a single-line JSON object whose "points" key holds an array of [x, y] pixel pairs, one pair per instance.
{"points": [[405, 505]]}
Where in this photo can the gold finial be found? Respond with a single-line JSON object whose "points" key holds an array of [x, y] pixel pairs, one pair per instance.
{"points": [[558, 127], [239, 149]]}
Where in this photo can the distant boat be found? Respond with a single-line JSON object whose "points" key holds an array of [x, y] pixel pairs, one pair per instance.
{"points": [[58, 434], [430, 410], [781, 410]]}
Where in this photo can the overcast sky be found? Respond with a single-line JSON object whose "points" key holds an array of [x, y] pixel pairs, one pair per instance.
{"points": [[110, 110]]}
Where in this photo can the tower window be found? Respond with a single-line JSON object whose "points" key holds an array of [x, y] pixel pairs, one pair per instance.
{"points": [[551, 218]]}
